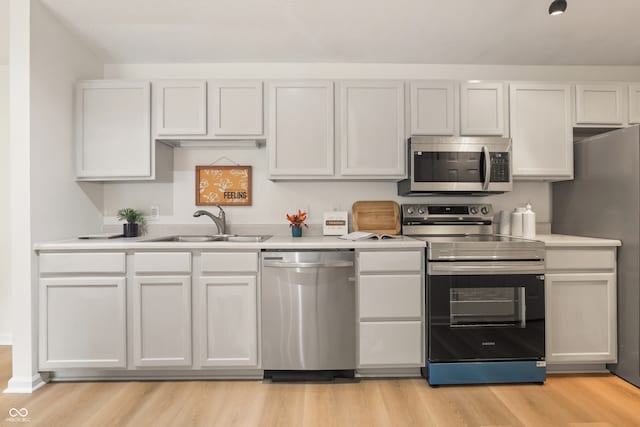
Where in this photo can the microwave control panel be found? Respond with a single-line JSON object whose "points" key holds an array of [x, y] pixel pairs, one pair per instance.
{"points": [[499, 167]]}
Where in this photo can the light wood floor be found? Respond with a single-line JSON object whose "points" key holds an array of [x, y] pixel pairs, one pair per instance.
{"points": [[594, 401]]}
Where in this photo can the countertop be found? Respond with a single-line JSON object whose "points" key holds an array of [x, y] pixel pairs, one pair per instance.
{"points": [[288, 242], [562, 240], [275, 242]]}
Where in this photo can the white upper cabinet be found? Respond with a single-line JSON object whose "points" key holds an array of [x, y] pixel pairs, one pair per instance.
{"points": [[433, 107], [372, 128], [634, 104], [482, 109], [541, 131], [301, 128], [600, 104], [113, 130], [236, 107], [181, 107]]}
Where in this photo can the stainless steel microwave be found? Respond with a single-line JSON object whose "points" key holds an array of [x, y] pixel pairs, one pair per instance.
{"points": [[457, 165]]}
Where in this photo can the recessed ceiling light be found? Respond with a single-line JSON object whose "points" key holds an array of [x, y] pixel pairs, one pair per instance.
{"points": [[558, 7], [473, 81]]}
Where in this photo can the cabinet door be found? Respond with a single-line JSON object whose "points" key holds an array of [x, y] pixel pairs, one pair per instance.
{"points": [[228, 321], [181, 107], [600, 104], [541, 131], [113, 129], [237, 108], [391, 296], [391, 344], [581, 318], [482, 107], [433, 108], [634, 104], [82, 322], [372, 128], [301, 121], [162, 321]]}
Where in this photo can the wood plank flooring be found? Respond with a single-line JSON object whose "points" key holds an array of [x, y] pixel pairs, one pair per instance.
{"points": [[589, 400]]}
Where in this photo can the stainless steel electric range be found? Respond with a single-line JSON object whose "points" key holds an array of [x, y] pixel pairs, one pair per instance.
{"points": [[485, 297]]}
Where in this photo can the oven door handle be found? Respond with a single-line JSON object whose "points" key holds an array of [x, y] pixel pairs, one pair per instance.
{"points": [[487, 167], [486, 268]]}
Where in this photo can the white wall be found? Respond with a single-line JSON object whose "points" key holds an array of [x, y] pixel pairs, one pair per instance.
{"points": [[46, 203], [273, 199], [5, 288]]}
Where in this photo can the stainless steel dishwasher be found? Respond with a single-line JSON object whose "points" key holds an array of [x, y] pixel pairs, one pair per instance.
{"points": [[308, 312]]}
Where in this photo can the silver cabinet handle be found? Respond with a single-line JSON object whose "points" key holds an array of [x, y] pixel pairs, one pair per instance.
{"points": [[308, 264]]}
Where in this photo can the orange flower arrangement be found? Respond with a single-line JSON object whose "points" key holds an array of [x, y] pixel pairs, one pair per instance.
{"points": [[298, 219]]}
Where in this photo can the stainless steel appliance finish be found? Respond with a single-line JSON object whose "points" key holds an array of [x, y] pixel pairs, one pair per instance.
{"points": [[603, 201], [453, 165], [485, 296], [308, 310]]}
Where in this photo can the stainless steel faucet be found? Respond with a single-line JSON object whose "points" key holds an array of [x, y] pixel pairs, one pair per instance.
{"points": [[219, 221]]}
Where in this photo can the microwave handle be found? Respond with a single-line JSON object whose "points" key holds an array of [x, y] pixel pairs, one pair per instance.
{"points": [[487, 168]]}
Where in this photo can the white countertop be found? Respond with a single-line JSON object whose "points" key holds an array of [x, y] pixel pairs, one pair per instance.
{"points": [[562, 240], [275, 242], [288, 242]]}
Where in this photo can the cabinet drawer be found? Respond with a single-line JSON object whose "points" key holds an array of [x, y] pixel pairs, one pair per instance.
{"points": [[91, 262], [390, 261], [220, 262], [581, 259], [163, 262], [391, 297], [391, 344]]}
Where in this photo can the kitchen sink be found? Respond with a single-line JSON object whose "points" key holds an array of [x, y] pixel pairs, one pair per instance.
{"points": [[211, 238]]}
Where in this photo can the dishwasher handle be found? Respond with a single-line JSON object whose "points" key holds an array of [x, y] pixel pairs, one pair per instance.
{"points": [[285, 264]]}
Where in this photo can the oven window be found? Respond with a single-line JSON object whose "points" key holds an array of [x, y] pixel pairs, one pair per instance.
{"points": [[474, 307]]}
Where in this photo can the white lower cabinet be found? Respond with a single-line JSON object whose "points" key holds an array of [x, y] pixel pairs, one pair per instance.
{"points": [[581, 306], [390, 344], [390, 293], [581, 311], [228, 321], [82, 322], [162, 321]]}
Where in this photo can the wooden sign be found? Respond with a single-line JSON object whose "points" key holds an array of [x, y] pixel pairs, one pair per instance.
{"points": [[223, 185]]}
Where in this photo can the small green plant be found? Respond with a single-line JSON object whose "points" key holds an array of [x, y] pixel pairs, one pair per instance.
{"points": [[131, 215]]}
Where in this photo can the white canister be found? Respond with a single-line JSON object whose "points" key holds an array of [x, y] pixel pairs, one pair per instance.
{"points": [[505, 222], [516, 222], [529, 223]]}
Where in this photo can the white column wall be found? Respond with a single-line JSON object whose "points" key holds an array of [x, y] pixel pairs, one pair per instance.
{"points": [[45, 203], [5, 289]]}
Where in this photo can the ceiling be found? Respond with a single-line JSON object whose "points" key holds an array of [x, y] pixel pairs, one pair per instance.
{"points": [[519, 32]]}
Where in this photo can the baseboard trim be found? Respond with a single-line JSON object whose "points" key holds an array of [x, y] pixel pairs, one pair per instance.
{"points": [[25, 385], [388, 373], [5, 339]]}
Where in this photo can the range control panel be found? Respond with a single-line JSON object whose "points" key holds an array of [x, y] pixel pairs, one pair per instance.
{"points": [[419, 213]]}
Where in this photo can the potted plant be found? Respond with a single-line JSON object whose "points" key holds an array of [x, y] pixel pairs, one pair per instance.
{"points": [[296, 222], [134, 221]]}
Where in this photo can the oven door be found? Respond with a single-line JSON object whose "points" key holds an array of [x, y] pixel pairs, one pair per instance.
{"points": [[486, 311], [460, 168]]}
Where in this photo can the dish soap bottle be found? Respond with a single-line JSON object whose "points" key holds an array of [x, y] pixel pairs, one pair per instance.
{"points": [[529, 223]]}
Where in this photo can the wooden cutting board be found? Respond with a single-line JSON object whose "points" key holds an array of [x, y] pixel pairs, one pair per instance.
{"points": [[381, 217]]}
